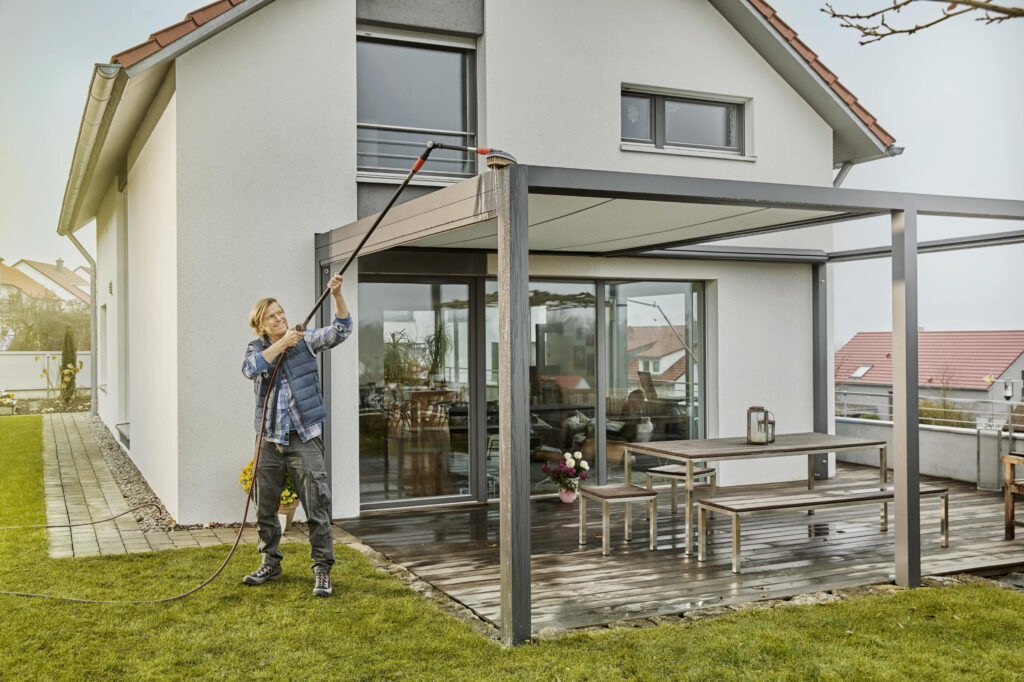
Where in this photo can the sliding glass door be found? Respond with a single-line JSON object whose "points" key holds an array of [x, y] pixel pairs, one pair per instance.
{"points": [[414, 349]]}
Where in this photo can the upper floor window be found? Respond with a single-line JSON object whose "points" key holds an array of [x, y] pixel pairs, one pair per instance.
{"points": [[668, 121], [409, 93]]}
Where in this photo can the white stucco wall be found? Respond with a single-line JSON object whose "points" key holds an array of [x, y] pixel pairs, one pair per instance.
{"points": [[266, 159], [759, 345], [552, 74], [106, 269], [153, 298]]}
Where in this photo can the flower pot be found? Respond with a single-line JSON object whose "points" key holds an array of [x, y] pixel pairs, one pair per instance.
{"points": [[568, 496], [285, 514]]}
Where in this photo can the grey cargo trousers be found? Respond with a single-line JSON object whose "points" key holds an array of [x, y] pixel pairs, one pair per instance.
{"points": [[305, 463]]}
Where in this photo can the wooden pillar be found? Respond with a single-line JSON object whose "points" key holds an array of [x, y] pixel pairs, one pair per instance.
{"points": [[906, 471], [514, 402]]}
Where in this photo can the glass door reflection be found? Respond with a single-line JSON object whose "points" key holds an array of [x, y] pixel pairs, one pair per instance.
{"points": [[413, 390]]}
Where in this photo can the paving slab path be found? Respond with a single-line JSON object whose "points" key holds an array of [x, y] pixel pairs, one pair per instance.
{"points": [[80, 488]]}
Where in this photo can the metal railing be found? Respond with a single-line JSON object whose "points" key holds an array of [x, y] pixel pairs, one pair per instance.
{"points": [[963, 413], [388, 148]]}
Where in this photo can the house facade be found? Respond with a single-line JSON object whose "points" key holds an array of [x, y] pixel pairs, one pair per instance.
{"points": [[230, 141], [62, 282]]}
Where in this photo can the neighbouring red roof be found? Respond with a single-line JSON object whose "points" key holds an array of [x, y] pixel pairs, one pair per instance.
{"points": [[953, 359], [165, 37], [67, 279], [29, 286], [789, 35], [194, 20], [654, 341]]}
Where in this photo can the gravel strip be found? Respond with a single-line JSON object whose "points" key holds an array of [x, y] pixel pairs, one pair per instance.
{"points": [[133, 486]]}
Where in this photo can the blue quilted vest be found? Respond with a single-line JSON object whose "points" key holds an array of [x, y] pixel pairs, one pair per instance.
{"points": [[299, 368]]}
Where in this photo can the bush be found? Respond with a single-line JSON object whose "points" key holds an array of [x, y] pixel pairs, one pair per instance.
{"points": [[39, 325], [68, 366], [942, 413]]}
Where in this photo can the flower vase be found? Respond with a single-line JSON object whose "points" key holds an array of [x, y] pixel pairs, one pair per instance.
{"points": [[285, 514], [568, 496]]}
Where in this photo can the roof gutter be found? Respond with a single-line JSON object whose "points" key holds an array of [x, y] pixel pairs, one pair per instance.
{"points": [[105, 90], [844, 170]]}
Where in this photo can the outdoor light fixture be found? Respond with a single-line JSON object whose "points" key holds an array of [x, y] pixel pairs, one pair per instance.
{"points": [[760, 425], [1008, 389]]}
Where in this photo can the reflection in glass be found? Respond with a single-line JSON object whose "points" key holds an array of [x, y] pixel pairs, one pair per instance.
{"points": [[655, 363], [701, 123], [413, 390], [563, 375]]}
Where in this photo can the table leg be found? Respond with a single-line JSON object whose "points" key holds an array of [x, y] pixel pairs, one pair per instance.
{"points": [[883, 476], [688, 543], [583, 520], [735, 543], [653, 507], [702, 524], [944, 520], [605, 529], [629, 470], [629, 519], [675, 489], [810, 478]]}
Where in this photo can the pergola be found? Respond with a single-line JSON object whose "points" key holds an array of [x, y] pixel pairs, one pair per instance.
{"points": [[523, 209]]}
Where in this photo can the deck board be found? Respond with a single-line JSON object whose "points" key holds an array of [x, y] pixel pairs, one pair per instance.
{"points": [[784, 553]]}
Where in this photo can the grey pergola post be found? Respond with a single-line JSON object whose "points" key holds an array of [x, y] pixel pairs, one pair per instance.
{"points": [[906, 472], [514, 402], [819, 316]]}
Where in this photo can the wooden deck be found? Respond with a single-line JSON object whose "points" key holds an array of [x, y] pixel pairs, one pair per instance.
{"points": [[784, 554]]}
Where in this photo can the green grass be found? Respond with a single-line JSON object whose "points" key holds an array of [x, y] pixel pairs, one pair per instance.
{"points": [[375, 628]]}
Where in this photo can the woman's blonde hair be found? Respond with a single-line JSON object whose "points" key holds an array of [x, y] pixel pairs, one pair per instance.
{"points": [[258, 311]]}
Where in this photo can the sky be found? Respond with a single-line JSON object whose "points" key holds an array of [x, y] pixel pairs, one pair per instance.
{"points": [[951, 95]]}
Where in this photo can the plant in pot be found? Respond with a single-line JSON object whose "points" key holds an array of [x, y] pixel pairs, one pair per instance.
{"points": [[399, 358], [568, 474], [437, 348], [289, 496]]}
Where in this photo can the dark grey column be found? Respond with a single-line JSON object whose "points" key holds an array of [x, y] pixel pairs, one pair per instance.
{"points": [[601, 407], [477, 390], [906, 473], [514, 402], [819, 317]]}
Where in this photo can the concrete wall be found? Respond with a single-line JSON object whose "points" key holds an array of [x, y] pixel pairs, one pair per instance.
{"points": [[758, 348], [266, 159], [946, 452], [153, 378], [551, 76], [21, 371]]}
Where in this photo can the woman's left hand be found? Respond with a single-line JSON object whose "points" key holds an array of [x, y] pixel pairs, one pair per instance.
{"points": [[335, 284]]}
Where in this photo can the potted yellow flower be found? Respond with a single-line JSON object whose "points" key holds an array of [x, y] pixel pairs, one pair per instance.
{"points": [[289, 496]]}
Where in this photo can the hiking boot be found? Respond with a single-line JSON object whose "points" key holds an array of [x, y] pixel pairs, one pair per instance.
{"points": [[322, 585], [262, 575]]}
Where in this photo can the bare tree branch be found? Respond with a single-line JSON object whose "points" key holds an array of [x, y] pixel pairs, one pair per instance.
{"points": [[874, 25]]}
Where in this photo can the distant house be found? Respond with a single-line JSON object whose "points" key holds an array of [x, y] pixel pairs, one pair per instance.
{"points": [[951, 364], [658, 350], [16, 286], [63, 283]]}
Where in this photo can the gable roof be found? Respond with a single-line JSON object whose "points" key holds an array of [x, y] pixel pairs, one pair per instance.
{"points": [[64, 278], [120, 93], [26, 284], [957, 359], [655, 341]]}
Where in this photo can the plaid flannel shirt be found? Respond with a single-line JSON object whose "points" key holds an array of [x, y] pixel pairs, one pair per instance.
{"points": [[281, 406]]}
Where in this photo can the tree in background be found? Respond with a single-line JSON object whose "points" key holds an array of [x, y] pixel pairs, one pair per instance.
{"points": [[39, 325], [873, 25], [68, 366]]}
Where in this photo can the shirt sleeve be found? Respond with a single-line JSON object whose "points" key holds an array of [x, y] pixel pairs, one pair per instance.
{"points": [[254, 364], [328, 337]]}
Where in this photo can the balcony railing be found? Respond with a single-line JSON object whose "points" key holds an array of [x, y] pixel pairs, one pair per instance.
{"points": [[394, 149], [963, 413]]}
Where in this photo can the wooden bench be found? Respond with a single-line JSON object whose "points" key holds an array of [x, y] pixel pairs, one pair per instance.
{"points": [[1012, 486], [799, 501], [610, 494], [677, 472]]}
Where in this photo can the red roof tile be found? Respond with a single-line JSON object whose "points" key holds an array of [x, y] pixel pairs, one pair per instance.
{"points": [[790, 36], [165, 37], [654, 341], [953, 359]]}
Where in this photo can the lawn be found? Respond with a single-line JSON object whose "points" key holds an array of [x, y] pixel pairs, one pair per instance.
{"points": [[375, 628]]}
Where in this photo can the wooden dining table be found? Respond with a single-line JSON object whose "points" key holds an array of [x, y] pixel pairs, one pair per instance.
{"points": [[810, 444]]}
